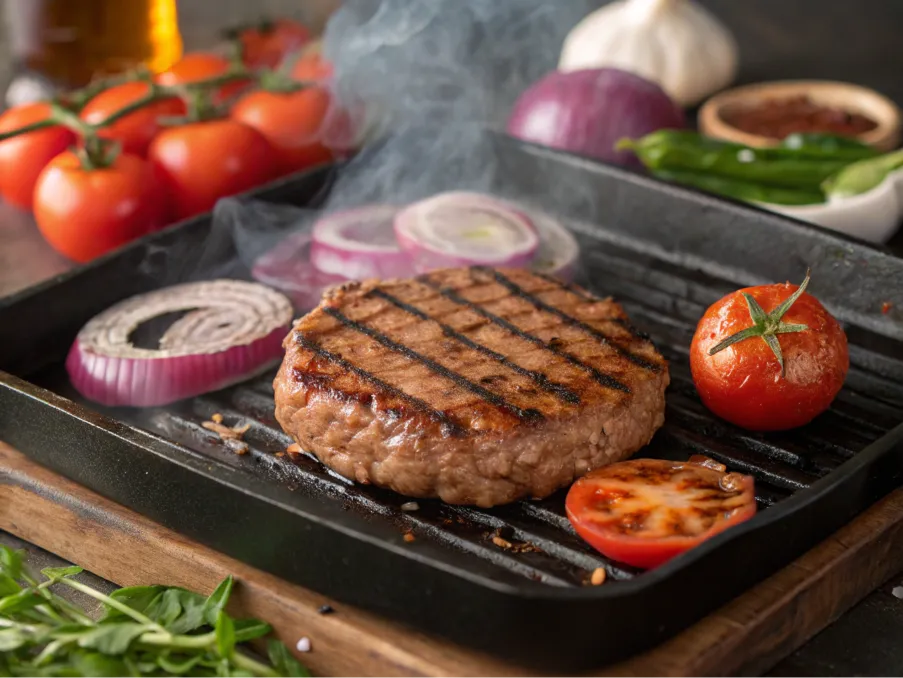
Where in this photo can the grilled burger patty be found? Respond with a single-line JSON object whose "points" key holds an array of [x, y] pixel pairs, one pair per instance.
{"points": [[477, 386]]}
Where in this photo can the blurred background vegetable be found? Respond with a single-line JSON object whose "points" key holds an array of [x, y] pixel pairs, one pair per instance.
{"points": [[675, 43], [589, 111]]}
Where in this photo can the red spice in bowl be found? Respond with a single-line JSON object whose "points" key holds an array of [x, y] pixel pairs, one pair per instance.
{"points": [[777, 118]]}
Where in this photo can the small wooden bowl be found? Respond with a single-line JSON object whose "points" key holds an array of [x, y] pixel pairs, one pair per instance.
{"points": [[842, 95]]}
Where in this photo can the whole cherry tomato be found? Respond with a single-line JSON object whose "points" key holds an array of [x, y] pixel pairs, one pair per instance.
{"points": [[786, 367], [643, 512], [310, 66], [266, 45], [136, 130], [201, 66], [293, 123], [84, 213], [23, 157], [202, 162]]}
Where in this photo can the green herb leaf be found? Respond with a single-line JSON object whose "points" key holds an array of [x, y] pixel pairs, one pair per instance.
{"points": [[249, 629], [61, 572], [114, 638], [97, 664], [139, 598], [8, 585], [18, 602], [284, 663], [179, 665], [12, 639], [11, 562], [192, 615], [178, 610], [225, 635], [217, 600]]}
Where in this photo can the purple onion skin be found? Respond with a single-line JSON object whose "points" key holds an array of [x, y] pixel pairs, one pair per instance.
{"points": [[587, 112], [151, 382]]}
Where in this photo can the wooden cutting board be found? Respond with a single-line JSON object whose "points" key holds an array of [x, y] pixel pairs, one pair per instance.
{"points": [[747, 636]]}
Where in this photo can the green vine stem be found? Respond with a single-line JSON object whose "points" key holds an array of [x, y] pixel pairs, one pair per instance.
{"points": [[95, 152]]}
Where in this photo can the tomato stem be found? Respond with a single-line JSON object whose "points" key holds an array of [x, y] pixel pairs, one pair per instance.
{"points": [[79, 98], [767, 325], [33, 127]]}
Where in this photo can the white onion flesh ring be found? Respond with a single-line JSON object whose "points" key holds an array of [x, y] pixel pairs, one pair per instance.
{"points": [[558, 250], [358, 244], [231, 331], [464, 229]]}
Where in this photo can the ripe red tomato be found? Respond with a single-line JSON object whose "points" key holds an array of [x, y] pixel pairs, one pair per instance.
{"points": [[293, 123], [23, 157], [204, 161], [85, 213], [201, 66], [136, 130], [746, 383], [643, 512], [265, 46], [311, 66]]}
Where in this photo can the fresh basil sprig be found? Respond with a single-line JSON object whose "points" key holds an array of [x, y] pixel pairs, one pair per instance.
{"points": [[144, 631]]}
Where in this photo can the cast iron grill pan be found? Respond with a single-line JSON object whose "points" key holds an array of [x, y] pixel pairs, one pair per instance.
{"points": [[511, 580]]}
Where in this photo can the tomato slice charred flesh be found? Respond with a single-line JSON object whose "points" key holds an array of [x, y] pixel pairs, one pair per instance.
{"points": [[643, 512]]}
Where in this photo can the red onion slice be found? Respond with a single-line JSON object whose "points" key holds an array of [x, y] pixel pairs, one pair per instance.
{"points": [[287, 268], [462, 229], [232, 330], [359, 244], [558, 249]]}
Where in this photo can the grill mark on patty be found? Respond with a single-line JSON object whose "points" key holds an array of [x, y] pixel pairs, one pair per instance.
{"points": [[526, 415], [518, 291], [589, 296], [539, 378], [604, 379], [450, 426]]}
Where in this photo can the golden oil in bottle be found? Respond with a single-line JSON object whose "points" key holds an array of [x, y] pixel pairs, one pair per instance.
{"points": [[63, 44]]}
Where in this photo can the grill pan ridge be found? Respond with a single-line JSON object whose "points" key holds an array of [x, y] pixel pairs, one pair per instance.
{"points": [[294, 518]]}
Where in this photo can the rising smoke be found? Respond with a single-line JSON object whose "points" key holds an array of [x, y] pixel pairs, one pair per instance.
{"points": [[425, 80]]}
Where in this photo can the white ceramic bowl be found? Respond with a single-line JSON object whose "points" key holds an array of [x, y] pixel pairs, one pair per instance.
{"points": [[873, 216]]}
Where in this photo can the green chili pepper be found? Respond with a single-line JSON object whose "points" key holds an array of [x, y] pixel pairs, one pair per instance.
{"points": [[683, 150], [742, 190], [862, 176], [826, 146]]}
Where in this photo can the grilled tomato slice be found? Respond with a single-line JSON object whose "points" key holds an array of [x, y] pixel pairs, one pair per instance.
{"points": [[643, 512]]}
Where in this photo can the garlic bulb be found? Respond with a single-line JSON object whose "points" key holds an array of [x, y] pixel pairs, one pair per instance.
{"points": [[675, 43]]}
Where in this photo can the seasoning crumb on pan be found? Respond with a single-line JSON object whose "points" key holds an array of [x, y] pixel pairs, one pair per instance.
{"points": [[504, 539], [409, 537], [886, 307], [230, 435], [410, 506], [598, 576], [237, 446], [303, 644], [294, 448], [280, 454], [223, 431], [325, 609]]}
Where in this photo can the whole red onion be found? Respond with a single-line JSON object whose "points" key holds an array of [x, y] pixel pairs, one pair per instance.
{"points": [[587, 112]]}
